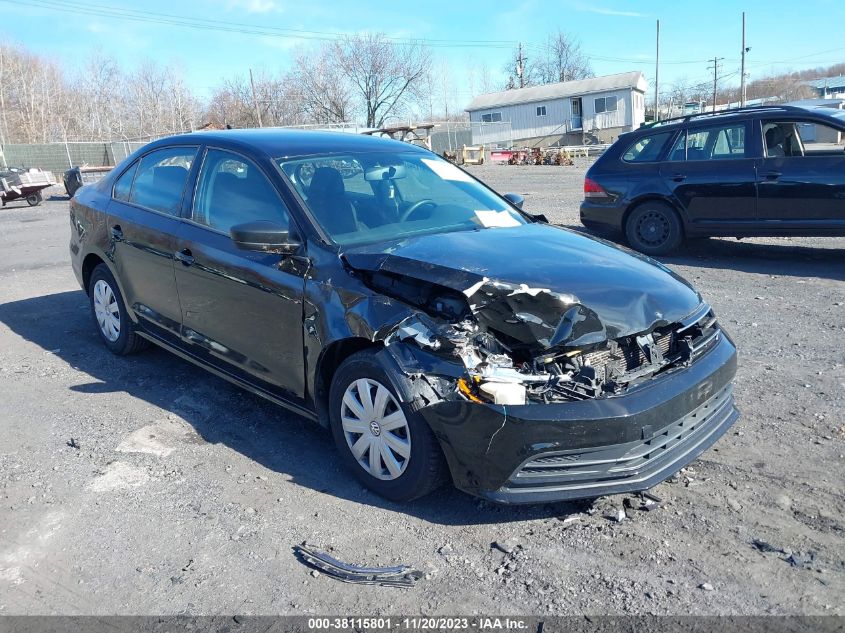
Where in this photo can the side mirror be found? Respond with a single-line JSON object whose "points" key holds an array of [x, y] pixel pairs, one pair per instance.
{"points": [[264, 236], [515, 199]]}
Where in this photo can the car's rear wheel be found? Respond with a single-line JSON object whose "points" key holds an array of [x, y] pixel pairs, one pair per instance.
{"points": [[388, 446], [654, 228], [113, 323]]}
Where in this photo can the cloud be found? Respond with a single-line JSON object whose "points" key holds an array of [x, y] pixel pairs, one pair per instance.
{"points": [[589, 8], [281, 43], [96, 27], [254, 6]]}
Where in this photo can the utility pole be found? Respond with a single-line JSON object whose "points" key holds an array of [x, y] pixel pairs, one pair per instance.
{"points": [[657, 75], [742, 69], [254, 100], [520, 67], [715, 68]]}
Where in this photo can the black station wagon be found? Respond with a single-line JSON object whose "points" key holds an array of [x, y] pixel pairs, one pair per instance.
{"points": [[383, 292], [763, 171]]}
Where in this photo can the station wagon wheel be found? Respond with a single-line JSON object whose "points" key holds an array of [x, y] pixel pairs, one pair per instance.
{"points": [[114, 326], [654, 228], [387, 445]]}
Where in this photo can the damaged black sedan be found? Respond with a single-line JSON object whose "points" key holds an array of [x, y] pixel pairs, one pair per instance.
{"points": [[437, 329]]}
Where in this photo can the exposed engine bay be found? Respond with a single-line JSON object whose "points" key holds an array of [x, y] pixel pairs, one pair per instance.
{"points": [[522, 345]]}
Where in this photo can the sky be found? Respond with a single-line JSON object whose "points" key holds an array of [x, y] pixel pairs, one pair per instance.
{"points": [[265, 35]]}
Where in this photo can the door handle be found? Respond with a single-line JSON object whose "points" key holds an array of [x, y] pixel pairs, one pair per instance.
{"points": [[184, 256], [117, 233], [772, 175], [679, 177]]}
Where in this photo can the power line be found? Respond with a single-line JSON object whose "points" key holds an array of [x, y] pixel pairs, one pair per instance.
{"points": [[168, 19]]}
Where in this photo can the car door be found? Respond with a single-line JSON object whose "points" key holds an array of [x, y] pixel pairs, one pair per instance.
{"points": [[710, 172], [801, 176], [144, 216], [241, 310]]}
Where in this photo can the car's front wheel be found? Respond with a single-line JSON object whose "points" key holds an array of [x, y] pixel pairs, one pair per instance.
{"points": [[654, 228], [113, 323], [388, 446]]}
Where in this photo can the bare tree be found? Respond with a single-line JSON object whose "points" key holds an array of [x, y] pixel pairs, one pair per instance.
{"points": [[559, 59], [324, 94], [385, 77], [562, 60]]}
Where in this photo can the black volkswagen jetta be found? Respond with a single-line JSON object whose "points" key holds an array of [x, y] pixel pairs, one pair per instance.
{"points": [[434, 326]]}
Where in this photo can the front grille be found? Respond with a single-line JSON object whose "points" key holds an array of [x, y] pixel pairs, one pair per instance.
{"points": [[628, 355], [682, 342], [625, 460]]}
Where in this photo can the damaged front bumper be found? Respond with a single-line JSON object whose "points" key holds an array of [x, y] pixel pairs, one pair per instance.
{"points": [[551, 452]]}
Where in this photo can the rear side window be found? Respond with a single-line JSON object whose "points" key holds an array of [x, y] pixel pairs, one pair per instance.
{"points": [[161, 177], [646, 149], [123, 186], [713, 143]]}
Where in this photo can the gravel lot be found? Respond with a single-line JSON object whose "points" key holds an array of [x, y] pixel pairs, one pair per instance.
{"points": [[144, 485]]}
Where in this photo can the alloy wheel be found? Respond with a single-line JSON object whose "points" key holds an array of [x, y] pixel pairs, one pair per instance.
{"points": [[106, 310], [375, 429]]}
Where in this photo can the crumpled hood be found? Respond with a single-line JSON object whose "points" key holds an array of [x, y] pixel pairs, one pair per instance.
{"points": [[540, 283]]}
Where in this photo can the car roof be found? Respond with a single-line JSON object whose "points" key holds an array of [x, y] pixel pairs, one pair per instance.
{"points": [[818, 112], [285, 142]]}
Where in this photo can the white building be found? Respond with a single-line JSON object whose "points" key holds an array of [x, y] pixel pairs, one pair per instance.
{"points": [[563, 113], [828, 87]]}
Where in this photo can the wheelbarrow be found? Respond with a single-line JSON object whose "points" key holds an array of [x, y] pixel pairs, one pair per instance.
{"points": [[19, 184]]}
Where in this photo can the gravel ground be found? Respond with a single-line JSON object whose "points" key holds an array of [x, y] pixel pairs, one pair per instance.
{"points": [[144, 485]]}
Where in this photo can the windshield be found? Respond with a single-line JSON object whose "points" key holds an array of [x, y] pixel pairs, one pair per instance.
{"points": [[368, 197]]}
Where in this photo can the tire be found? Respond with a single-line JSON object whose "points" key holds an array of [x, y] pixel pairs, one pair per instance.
{"points": [[654, 228], [34, 199], [116, 329], [395, 429]]}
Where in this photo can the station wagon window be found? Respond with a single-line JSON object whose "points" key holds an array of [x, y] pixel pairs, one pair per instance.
{"points": [[802, 138], [161, 177], [541, 110], [491, 117], [233, 190], [714, 143], [646, 149], [123, 186], [605, 104]]}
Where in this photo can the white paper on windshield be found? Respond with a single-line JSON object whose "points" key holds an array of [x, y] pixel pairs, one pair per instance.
{"points": [[447, 171], [495, 219]]}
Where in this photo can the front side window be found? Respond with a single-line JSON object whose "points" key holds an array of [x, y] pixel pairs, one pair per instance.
{"points": [[647, 149], [367, 197], [233, 190], [714, 143], [802, 138], [160, 179]]}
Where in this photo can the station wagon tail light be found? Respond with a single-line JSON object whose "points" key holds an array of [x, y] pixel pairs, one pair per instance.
{"points": [[592, 189]]}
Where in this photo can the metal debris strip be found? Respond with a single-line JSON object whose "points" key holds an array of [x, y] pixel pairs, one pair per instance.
{"points": [[400, 576]]}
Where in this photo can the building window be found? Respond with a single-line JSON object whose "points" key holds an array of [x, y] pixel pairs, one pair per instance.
{"points": [[541, 110], [491, 117], [605, 104]]}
